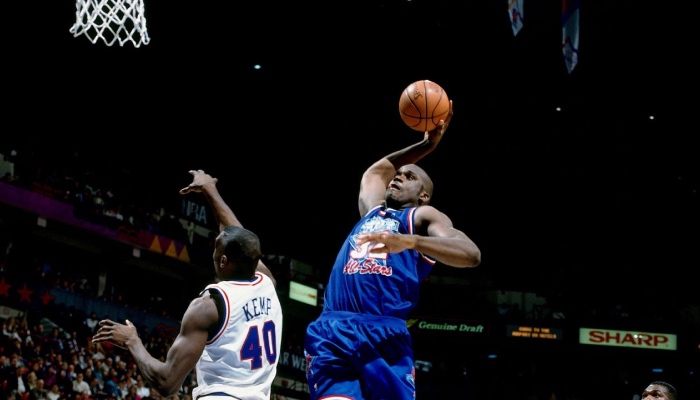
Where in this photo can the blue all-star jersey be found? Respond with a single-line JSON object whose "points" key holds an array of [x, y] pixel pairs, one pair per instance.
{"points": [[387, 284]]}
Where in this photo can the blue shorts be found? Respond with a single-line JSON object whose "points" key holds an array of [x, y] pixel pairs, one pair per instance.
{"points": [[359, 356]]}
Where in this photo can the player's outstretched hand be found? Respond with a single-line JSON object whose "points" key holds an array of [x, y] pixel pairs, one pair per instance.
{"points": [[115, 333], [200, 179]]}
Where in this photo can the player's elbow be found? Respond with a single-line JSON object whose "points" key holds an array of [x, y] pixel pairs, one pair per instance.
{"points": [[475, 258], [167, 391], [383, 168], [472, 254], [470, 259], [167, 387]]}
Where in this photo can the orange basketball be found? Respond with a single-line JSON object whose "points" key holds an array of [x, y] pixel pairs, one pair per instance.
{"points": [[423, 104]]}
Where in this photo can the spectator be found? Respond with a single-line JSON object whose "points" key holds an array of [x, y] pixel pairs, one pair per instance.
{"points": [[107, 366], [33, 351], [37, 368], [39, 392], [65, 383], [30, 380], [110, 387], [121, 367], [141, 389], [21, 387], [80, 387], [55, 392], [9, 377], [9, 329], [70, 370], [88, 375], [132, 393], [98, 371], [72, 344], [55, 341], [51, 377], [123, 387], [95, 388], [128, 376], [91, 323], [89, 364], [38, 332]]}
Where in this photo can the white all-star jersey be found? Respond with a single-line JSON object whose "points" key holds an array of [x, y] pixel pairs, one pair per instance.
{"points": [[240, 358]]}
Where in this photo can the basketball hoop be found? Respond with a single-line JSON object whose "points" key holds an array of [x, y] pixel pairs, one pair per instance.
{"points": [[111, 21]]}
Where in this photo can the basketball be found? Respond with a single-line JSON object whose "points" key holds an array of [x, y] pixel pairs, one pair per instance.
{"points": [[423, 104]]}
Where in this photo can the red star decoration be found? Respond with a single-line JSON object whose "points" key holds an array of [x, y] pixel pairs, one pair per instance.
{"points": [[25, 293], [4, 288], [46, 298]]}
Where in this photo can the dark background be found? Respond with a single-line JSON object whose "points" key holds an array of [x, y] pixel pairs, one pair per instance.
{"points": [[594, 197]]}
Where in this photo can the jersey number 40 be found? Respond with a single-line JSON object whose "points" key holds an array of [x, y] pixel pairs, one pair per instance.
{"points": [[257, 341]]}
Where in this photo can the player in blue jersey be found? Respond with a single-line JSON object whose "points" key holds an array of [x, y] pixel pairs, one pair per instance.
{"points": [[360, 347], [231, 334]]}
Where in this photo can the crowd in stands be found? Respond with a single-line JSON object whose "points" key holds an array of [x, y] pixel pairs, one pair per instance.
{"points": [[37, 363]]}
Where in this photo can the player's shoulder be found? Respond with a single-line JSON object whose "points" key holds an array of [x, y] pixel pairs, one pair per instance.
{"points": [[425, 211], [202, 308], [427, 214]]}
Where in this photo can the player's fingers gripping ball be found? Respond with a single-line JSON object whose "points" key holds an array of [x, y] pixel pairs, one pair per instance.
{"points": [[423, 104]]}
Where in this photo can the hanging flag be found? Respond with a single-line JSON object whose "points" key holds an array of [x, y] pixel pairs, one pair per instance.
{"points": [[569, 29], [515, 13]]}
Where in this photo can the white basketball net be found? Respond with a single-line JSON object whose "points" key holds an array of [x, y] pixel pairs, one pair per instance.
{"points": [[111, 21]]}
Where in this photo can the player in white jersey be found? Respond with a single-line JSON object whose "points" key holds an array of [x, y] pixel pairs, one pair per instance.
{"points": [[231, 334]]}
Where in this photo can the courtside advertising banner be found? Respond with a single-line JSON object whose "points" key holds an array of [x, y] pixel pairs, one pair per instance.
{"points": [[448, 326], [634, 339], [534, 332]]}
